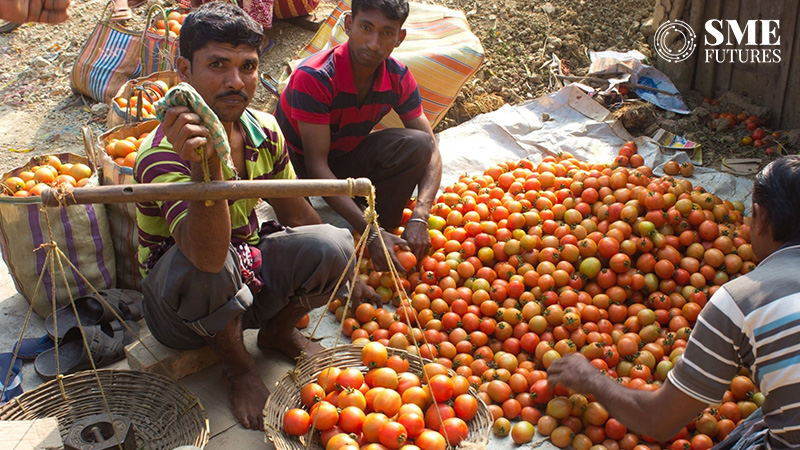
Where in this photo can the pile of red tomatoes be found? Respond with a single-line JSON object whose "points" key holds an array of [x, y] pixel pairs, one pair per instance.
{"points": [[533, 261]]}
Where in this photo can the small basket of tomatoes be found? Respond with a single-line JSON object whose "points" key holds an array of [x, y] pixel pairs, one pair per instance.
{"points": [[373, 397], [134, 101]]}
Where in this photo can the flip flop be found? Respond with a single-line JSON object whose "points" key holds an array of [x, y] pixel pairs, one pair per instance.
{"points": [[267, 48], [121, 15], [14, 386], [92, 310], [106, 345], [30, 348]]}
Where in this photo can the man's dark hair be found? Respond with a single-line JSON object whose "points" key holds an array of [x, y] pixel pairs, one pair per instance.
{"points": [[777, 189], [221, 22], [392, 9]]}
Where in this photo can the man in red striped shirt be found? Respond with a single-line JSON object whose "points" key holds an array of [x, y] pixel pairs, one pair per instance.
{"points": [[330, 106]]}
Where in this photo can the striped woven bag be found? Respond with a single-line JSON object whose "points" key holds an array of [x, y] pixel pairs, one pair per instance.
{"points": [[109, 57]]}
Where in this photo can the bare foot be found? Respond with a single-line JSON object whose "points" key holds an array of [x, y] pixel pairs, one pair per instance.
{"points": [[248, 396], [290, 345]]}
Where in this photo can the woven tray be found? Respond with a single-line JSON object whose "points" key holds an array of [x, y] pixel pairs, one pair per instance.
{"points": [[163, 414], [286, 395]]}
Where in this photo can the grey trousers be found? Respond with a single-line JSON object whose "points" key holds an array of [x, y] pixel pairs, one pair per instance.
{"points": [[182, 305]]}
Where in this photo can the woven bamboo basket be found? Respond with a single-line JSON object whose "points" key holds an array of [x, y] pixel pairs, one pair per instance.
{"points": [[286, 395], [164, 414]]}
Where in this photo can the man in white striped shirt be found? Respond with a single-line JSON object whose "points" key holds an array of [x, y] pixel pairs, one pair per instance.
{"points": [[753, 321]]}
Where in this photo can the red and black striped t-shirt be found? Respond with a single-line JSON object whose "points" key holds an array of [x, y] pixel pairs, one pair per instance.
{"points": [[322, 91]]}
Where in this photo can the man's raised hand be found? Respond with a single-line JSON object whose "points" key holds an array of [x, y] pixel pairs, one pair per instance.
{"points": [[184, 131]]}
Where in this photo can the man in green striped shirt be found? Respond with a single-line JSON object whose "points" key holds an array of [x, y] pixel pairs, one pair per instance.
{"points": [[210, 271]]}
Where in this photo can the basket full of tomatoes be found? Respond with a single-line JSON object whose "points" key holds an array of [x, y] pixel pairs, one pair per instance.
{"points": [[135, 100], [374, 397], [80, 231], [63, 169]]}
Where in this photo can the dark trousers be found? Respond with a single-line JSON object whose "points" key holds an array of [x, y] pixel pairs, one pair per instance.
{"points": [[394, 160]]}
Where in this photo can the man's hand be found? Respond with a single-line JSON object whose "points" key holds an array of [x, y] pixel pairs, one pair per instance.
{"points": [[44, 11], [376, 251], [363, 293], [573, 371], [418, 238], [184, 131]]}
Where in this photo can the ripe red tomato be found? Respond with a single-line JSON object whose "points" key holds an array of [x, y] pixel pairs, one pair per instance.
{"points": [[296, 422], [324, 416], [351, 419], [466, 406], [431, 440], [454, 430], [393, 435], [414, 423], [311, 393], [433, 419], [441, 387]]}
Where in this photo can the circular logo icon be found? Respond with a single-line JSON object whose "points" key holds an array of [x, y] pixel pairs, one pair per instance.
{"points": [[671, 32]]}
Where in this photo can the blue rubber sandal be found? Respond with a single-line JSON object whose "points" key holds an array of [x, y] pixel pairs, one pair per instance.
{"points": [[30, 348], [14, 386]]}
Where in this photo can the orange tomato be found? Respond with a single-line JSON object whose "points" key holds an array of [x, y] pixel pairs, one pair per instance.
{"points": [[14, 184], [45, 175], [80, 171], [123, 147], [130, 160], [66, 179], [52, 161]]}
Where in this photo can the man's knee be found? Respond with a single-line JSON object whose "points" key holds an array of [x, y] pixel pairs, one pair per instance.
{"points": [[333, 246], [421, 144], [177, 295]]}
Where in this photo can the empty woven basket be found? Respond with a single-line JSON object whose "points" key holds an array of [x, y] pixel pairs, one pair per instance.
{"points": [[286, 395], [164, 414]]}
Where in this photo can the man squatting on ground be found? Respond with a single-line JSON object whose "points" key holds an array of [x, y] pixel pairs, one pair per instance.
{"points": [[209, 271], [753, 321], [330, 106]]}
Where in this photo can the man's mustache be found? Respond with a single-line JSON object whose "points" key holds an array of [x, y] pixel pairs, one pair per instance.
{"points": [[230, 93]]}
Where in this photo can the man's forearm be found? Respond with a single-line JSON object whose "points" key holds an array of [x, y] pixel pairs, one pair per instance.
{"points": [[204, 235], [636, 409], [429, 185]]}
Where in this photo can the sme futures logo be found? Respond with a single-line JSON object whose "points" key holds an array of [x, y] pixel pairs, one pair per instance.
{"points": [[725, 41]]}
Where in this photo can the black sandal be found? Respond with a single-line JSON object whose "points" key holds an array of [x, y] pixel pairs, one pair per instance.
{"points": [[106, 345], [94, 310]]}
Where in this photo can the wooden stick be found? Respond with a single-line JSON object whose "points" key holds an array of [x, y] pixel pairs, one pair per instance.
{"points": [[214, 190]]}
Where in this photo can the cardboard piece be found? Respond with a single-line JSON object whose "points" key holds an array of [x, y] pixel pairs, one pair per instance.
{"points": [[37, 434], [670, 143]]}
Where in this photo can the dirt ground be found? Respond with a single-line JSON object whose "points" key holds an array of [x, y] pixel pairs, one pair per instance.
{"points": [[39, 114]]}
